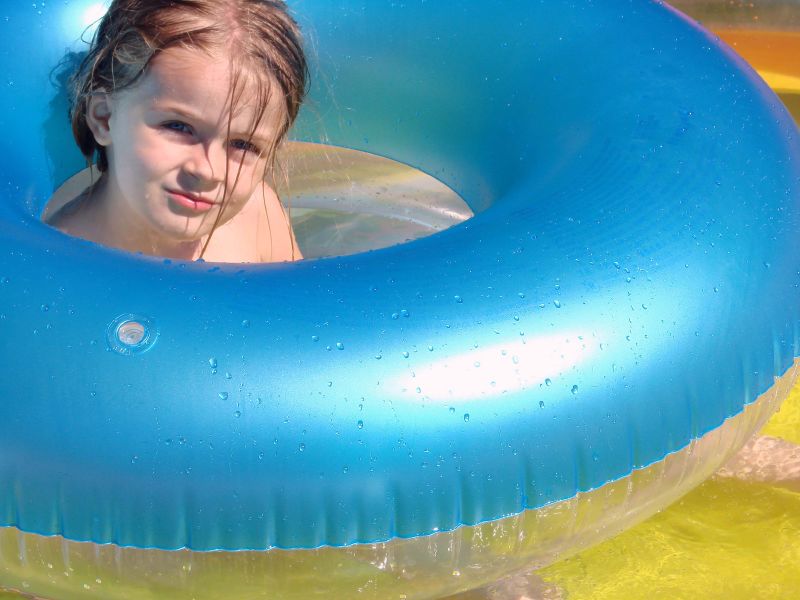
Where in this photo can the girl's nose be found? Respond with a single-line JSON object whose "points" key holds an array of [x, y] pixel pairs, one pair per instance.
{"points": [[206, 164]]}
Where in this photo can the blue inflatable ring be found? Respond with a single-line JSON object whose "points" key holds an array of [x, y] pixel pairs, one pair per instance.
{"points": [[598, 339]]}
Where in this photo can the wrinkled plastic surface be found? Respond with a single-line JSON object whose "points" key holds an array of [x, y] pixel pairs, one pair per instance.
{"points": [[629, 282]]}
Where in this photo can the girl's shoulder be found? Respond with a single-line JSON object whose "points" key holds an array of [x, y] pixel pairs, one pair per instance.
{"points": [[68, 199], [260, 232]]}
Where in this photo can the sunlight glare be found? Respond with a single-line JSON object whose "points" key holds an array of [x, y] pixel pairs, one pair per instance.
{"points": [[94, 12]]}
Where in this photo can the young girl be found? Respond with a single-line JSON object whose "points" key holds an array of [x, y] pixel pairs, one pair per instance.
{"points": [[181, 105]]}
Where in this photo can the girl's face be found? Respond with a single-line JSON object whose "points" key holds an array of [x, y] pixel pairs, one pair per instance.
{"points": [[170, 148]]}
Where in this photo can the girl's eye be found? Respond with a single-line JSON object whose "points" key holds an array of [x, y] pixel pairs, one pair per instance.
{"points": [[245, 146], [177, 127]]}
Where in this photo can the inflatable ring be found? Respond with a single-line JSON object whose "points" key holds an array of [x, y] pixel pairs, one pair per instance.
{"points": [[422, 419]]}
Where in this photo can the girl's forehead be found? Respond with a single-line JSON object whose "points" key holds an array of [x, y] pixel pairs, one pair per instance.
{"points": [[203, 83]]}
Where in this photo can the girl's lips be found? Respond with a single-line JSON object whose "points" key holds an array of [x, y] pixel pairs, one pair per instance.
{"points": [[190, 202]]}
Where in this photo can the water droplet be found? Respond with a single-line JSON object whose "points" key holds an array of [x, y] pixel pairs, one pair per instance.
{"points": [[212, 362], [466, 417], [405, 354], [246, 323], [395, 316], [515, 360], [557, 303], [45, 307], [452, 409], [360, 424], [378, 356], [516, 317], [574, 389], [716, 289], [644, 306], [345, 470], [237, 414], [223, 395], [616, 265], [302, 447], [430, 348], [548, 382], [541, 403], [314, 338], [228, 375], [404, 313], [339, 346], [458, 299]]}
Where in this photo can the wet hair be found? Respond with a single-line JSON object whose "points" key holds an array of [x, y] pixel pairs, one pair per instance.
{"points": [[261, 38]]}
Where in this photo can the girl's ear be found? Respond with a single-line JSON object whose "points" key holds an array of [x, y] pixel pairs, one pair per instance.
{"points": [[98, 115]]}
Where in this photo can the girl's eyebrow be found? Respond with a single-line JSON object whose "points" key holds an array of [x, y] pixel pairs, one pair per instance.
{"points": [[174, 108]]}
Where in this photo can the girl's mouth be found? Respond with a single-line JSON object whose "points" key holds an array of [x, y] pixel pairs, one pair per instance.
{"points": [[190, 202]]}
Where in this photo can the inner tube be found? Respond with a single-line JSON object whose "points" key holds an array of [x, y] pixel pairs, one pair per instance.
{"points": [[619, 316]]}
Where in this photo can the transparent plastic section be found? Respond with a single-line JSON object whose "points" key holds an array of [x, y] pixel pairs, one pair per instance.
{"points": [[345, 201]]}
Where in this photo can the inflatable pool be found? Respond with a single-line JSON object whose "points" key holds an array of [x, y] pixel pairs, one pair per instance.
{"points": [[422, 419]]}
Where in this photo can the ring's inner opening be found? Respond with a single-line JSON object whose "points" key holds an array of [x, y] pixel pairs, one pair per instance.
{"points": [[343, 201], [346, 201]]}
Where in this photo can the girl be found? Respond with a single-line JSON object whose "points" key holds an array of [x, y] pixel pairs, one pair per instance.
{"points": [[181, 105]]}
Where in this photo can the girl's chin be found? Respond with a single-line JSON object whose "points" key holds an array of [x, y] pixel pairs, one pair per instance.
{"points": [[182, 229], [171, 236]]}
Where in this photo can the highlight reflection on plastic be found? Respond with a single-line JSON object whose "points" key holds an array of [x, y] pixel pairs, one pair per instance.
{"points": [[594, 342]]}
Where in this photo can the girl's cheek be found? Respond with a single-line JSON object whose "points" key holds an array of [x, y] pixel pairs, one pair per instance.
{"points": [[150, 153], [246, 180]]}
